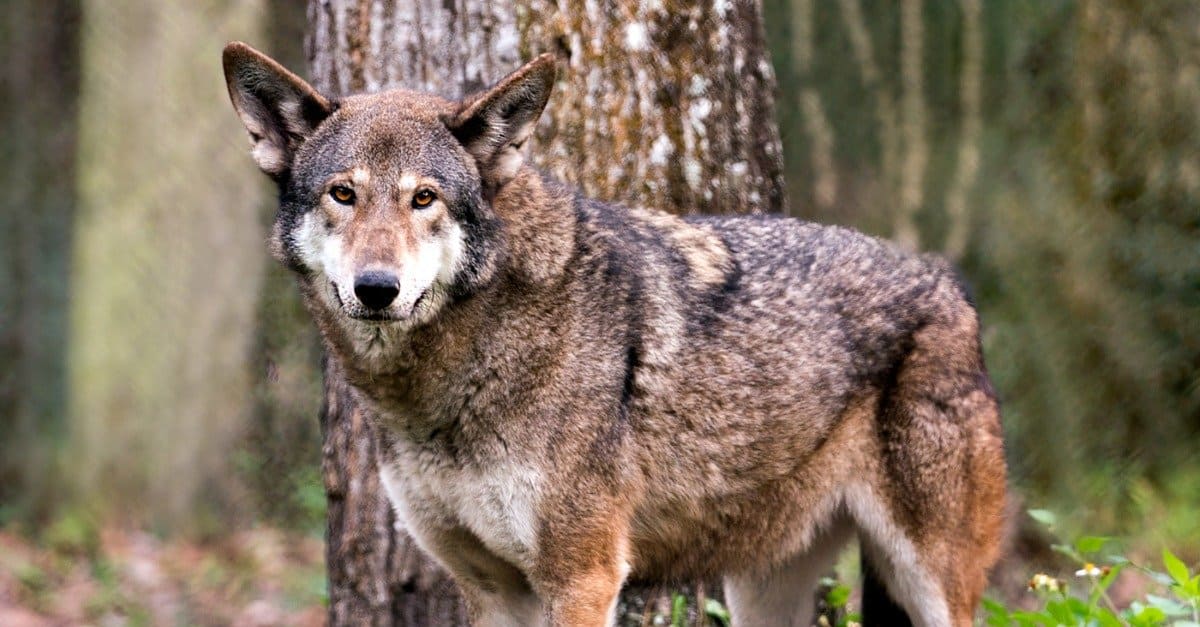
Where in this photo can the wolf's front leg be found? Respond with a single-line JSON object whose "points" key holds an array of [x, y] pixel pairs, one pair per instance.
{"points": [[497, 594], [581, 573], [588, 600], [501, 607]]}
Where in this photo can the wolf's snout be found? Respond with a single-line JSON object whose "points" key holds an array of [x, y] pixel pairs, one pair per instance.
{"points": [[376, 290]]}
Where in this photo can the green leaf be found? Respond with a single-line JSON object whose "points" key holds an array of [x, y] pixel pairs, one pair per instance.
{"points": [[1044, 516], [1168, 606], [995, 609], [1106, 618], [1061, 612], [1079, 609], [714, 609], [1067, 550], [1091, 544], [1177, 569], [1148, 616], [838, 596], [1160, 578], [679, 612], [1032, 619]]}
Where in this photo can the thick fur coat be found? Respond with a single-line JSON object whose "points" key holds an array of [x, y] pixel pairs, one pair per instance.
{"points": [[572, 393]]}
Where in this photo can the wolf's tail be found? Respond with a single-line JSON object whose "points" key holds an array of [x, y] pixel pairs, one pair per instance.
{"points": [[878, 608]]}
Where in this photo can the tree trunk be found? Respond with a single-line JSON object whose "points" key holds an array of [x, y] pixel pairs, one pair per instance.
{"points": [[39, 88], [669, 106], [167, 266]]}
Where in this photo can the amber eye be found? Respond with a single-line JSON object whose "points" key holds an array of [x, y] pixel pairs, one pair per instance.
{"points": [[423, 199], [342, 194]]}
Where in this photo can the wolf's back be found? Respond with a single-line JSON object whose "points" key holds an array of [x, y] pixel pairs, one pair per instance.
{"points": [[828, 290]]}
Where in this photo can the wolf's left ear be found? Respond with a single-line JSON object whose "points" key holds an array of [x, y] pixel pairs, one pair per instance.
{"points": [[278, 108], [494, 124]]}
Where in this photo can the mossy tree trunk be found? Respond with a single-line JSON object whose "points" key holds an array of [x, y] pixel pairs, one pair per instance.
{"points": [[670, 105]]}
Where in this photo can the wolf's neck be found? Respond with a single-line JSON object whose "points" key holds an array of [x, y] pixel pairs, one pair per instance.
{"points": [[539, 226], [393, 366]]}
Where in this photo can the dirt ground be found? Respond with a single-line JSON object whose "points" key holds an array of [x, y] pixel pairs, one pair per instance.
{"points": [[253, 578], [262, 577]]}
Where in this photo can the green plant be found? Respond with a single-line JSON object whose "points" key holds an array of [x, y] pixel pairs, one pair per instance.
{"points": [[75, 533], [1177, 602], [837, 599], [679, 610], [717, 611]]}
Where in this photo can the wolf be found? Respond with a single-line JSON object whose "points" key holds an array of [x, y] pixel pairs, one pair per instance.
{"points": [[570, 394]]}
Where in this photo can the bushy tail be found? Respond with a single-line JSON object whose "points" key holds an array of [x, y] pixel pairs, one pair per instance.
{"points": [[878, 609]]}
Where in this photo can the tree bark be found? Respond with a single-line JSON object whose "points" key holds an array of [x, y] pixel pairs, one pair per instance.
{"points": [[667, 104]]}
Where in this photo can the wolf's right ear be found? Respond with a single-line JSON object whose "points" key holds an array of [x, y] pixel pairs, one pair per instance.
{"points": [[278, 108]]}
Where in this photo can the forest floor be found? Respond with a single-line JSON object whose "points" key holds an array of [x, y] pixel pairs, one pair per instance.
{"points": [[264, 577], [254, 578]]}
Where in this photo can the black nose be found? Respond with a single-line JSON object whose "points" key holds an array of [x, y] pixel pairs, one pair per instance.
{"points": [[376, 290]]}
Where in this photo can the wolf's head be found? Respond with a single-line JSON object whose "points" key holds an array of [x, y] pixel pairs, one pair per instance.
{"points": [[385, 198]]}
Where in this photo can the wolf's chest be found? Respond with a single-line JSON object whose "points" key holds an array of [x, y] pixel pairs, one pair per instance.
{"points": [[497, 503]]}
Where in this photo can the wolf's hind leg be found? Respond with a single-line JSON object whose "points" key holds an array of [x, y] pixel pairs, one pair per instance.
{"points": [[878, 607], [900, 588], [931, 520], [783, 596]]}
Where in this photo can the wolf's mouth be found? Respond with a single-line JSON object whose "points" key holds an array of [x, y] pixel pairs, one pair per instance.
{"points": [[420, 299], [337, 295], [358, 313], [374, 317]]}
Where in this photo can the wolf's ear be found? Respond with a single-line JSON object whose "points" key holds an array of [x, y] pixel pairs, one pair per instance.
{"points": [[494, 124], [277, 107]]}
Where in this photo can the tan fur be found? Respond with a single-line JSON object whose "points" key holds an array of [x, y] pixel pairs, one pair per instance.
{"points": [[570, 394], [706, 257]]}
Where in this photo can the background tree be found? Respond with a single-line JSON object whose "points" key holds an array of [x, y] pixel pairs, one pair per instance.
{"points": [[167, 265], [38, 97], [666, 104]]}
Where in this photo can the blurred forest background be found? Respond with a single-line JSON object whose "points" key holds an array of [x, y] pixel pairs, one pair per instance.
{"points": [[159, 382]]}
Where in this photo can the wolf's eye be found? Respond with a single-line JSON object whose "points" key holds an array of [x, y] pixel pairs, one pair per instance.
{"points": [[342, 194], [423, 199]]}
